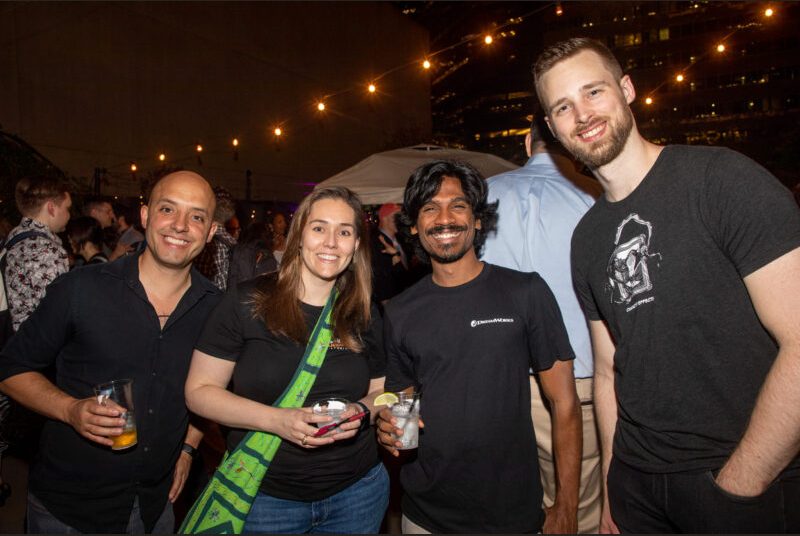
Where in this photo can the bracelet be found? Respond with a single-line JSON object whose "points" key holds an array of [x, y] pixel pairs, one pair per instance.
{"points": [[367, 420], [190, 450]]}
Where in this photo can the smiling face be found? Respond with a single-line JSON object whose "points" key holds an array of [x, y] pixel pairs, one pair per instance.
{"points": [[328, 240], [177, 220], [446, 224], [587, 108]]}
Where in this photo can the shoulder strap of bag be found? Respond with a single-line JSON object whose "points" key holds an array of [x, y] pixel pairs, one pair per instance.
{"points": [[223, 506]]}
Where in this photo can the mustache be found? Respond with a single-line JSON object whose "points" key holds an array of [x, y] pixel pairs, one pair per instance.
{"points": [[446, 229]]}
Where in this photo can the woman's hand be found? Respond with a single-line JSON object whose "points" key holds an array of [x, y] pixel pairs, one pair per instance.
{"points": [[295, 425], [346, 430]]}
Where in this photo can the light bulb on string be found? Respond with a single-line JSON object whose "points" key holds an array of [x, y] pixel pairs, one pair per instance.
{"points": [[679, 78], [559, 9], [648, 101], [488, 39], [133, 167], [199, 148], [321, 106], [769, 12], [426, 64], [371, 88], [235, 142], [720, 48], [162, 157], [278, 131]]}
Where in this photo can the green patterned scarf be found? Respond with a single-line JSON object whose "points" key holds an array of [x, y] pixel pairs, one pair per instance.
{"points": [[225, 502]]}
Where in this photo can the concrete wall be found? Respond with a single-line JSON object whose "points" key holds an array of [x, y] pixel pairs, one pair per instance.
{"points": [[96, 84]]}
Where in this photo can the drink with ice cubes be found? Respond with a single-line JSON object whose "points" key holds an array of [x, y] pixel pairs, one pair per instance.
{"points": [[406, 412]]}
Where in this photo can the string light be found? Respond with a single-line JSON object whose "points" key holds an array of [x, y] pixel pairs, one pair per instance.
{"points": [[321, 106], [278, 132], [199, 148], [720, 48], [133, 167], [372, 88], [648, 101], [162, 157], [559, 9], [235, 142], [488, 39], [679, 78], [426, 64], [769, 12]]}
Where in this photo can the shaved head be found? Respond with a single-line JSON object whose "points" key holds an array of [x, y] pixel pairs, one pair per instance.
{"points": [[181, 178]]}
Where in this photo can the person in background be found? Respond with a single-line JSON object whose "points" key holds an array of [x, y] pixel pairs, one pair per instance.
{"points": [[86, 239], [135, 318], [128, 226], [233, 227], [279, 226], [248, 353], [539, 206], [251, 254], [389, 260], [214, 261]]}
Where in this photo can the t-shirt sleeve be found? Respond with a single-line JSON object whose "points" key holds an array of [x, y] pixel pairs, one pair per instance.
{"points": [[547, 336], [373, 340], [222, 335], [753, 218], [581, 283], [399, 367], [39, 340]]}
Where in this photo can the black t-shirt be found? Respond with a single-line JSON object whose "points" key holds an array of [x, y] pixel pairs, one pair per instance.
{"points": [[265, 364], [664, 268], [468, 349]]}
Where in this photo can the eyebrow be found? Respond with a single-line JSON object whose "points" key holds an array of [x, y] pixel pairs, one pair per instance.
{"points": [[171, 202], [583, 88], [327, 222]]}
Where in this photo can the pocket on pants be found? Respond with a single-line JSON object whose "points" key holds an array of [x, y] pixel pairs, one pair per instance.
{"points": [[727, 512]]}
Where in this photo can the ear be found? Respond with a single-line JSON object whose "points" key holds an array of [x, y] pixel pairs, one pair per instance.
{"points": [[627, 88], [528, 140], [212, 231], [143, 212], [51, 208], [550, 126], [358, 241], [478, 224], [413, 230]]}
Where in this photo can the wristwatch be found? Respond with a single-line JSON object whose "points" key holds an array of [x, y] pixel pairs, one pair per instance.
{"points": [[190, 450]]}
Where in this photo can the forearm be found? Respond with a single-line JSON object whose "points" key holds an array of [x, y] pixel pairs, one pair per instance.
{"points": [[772, 438], [567, 448], [221, 406], [605, 407], [375, 388], [193, 436], [35, 392]]}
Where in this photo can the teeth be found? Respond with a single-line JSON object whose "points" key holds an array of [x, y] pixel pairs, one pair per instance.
{"points": [[596, 130], [445, 236], [176, 241], [328, 257]]}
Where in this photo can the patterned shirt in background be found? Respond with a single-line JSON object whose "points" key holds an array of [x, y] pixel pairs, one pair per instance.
{"points": [[31, 265], [215, 259]]}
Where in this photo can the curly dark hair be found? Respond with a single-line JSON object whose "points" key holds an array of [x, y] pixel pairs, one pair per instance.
{"points": [[422, 187]]}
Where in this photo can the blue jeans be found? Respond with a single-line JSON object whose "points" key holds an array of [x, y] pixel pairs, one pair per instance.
{"points": [[357, 509]]}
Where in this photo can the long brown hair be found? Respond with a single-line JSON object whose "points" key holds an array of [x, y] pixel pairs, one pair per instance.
{"points": [[277, 302]]}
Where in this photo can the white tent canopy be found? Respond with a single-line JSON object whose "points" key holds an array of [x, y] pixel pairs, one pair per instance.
{"points": [[381, 177]]}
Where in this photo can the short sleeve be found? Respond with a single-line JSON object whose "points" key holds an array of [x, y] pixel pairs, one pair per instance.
{"points": [[581, 284], [222, 335], [399, 367], [547, 336], [753, 218]]}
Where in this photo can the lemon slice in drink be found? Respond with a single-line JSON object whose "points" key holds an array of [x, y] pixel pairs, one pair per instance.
{"points": [[386, 399]]}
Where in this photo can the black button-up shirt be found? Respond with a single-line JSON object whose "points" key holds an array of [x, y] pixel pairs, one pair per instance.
{"points": [[96, 324]]}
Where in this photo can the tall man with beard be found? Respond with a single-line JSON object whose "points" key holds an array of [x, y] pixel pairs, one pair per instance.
{"points": [[689, 271], [134, 318], [465, 338]]}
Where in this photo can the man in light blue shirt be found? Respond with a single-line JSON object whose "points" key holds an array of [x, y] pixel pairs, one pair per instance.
{"points": [[540, 205]]}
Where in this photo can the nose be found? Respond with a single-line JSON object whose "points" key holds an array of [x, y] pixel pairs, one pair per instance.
{"points": [[444, 216], [330, 239], [582, 112], [181, 221]]}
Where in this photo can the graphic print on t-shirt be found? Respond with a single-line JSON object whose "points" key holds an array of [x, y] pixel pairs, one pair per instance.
{"points": [[628, 270]]}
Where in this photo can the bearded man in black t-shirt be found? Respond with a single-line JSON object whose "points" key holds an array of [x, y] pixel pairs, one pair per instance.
{"points": [[689, 271], [465, 337]]}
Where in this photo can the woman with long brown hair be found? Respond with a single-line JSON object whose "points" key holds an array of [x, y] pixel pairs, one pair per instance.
{"points": [[254, 341]]}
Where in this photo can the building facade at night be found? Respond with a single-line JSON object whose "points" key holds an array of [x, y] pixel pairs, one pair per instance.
{"points": [[744, 94]]}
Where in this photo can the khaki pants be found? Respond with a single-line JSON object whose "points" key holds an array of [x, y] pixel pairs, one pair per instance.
{"points": [[590, 494]]}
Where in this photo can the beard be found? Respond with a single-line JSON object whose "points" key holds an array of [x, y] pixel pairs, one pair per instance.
{"points": [[602, 152], [449, 252]]}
